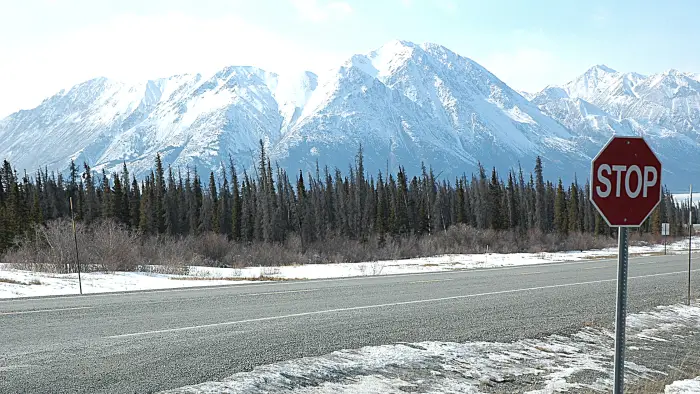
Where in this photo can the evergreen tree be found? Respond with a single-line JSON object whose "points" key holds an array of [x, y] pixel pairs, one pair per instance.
{"points": [[236, 205], [494, 202], [117, 209], [171, 214], [91, 203], [560, 210], [135, 203], [573, 210], [513, 214], [104, 194], [159, 196], [126, 196], [225, 212], [540, 198]]}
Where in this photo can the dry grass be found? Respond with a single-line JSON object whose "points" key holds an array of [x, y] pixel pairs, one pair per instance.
{"points": [[689, 369], [603, 257], [17, 282], [12, 281]]}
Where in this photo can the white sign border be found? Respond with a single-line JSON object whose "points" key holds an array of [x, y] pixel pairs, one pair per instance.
{"points": [[590, 192]]}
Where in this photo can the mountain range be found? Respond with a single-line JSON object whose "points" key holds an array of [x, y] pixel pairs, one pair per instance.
{"points": [[406, 104]]}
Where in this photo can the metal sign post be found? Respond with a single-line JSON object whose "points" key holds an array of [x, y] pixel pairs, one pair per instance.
{"points": [[75, 238], [690, 239], [625, 189], [621, 309], [665, 232]]}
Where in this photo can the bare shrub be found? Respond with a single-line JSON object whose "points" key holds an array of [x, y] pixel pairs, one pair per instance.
{"points": [[212, 247], [50, 249], [110, 246], [107, 245]]}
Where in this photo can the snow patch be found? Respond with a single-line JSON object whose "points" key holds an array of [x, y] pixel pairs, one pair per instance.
{"points": [[36, 284], [553, 362], [689, 386], [54, 284]]}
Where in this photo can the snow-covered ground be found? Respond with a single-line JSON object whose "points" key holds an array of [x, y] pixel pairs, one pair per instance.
{"points": [[579, 362], [45, 284], [683, 198], [55, 284], [432, 264], [690, 386]]}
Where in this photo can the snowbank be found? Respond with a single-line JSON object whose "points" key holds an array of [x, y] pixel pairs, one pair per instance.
{"points": [[56, 284], [690, 386], [14, 283], [431, 264]]}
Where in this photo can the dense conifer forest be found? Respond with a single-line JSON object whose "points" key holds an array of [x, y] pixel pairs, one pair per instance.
{"points": [[266, 205]]}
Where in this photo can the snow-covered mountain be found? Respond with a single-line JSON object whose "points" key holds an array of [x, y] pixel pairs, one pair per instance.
{"points": [[408, 104], [191, 120], [664, 108], [405, 103]]}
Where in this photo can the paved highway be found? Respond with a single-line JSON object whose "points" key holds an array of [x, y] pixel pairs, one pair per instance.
{"points": [[151, 341]]}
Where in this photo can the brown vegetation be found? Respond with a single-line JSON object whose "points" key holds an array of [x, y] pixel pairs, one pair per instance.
{"points": [[109, 246]]}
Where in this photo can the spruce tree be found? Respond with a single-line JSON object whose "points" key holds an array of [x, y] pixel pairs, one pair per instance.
{"points": [[135, 204], [236, 205], [560, 210], [91, 203], [540, 198], [116, 202], [513, 214], [573, 209], [159, 196]]}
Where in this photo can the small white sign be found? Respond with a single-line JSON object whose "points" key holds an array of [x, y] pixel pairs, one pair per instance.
{"points": [[665, 229]]}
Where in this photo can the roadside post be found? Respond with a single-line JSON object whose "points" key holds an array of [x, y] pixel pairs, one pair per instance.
{"points": [[665, 232], [75, 238], [625, 189], [690, 238]]}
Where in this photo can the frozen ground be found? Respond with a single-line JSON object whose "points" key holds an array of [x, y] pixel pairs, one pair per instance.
{"points": [[44, 284], [581, 362], [431, 264], [16, 283]]}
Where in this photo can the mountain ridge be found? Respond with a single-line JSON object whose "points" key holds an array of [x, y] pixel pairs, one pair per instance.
{"points": [[407, 104]]}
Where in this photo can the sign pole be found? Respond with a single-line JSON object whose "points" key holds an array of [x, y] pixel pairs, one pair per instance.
{"points": [[625, 189], [621, 311], [690, 239], [75, 238]]}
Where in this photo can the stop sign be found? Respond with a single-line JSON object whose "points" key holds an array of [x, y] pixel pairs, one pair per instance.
{"points": [[626, 181]]}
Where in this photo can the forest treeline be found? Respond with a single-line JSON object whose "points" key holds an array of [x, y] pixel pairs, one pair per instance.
{"points": [[267, 205]]}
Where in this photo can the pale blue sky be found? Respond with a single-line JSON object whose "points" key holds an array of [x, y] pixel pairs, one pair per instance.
{"points": [[46, 45]]}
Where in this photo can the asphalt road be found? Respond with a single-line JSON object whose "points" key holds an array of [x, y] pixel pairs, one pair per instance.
{"points": [[149, 341]]}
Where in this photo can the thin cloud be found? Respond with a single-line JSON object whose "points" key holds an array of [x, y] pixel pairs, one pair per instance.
{"points": [[137, 48], [527, 69], [320, 11]]}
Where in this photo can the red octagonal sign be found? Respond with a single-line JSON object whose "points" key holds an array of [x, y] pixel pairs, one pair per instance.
{"points": [[626, 181]]}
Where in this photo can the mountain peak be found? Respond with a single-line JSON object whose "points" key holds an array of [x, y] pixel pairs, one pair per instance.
{"points": [[399, 43], [600, 68], [673, 72]]}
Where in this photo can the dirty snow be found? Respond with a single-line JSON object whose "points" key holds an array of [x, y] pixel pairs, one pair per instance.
{"points": [[552, 364], [56, 284]]}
